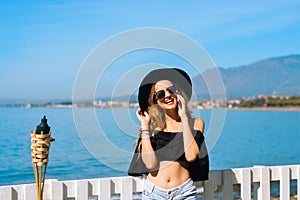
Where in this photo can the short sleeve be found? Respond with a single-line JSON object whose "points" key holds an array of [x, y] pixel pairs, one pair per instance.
{"points": [[137, 166], [200, 167], [199, 137]]}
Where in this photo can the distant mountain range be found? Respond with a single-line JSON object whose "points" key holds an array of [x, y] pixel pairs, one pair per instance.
{"points": [[278, 75], [273, 76]]}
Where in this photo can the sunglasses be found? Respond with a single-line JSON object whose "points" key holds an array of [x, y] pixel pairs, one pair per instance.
{"points": [[161, 93]]}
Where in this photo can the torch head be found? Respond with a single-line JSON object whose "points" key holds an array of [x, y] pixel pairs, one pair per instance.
{"points": [[43, 127]]}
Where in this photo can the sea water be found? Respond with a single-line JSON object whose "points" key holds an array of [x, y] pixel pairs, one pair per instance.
{"points": [[247, 138]]}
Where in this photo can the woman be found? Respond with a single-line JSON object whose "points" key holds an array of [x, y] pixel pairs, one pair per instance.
{"points": [[170, 147]]}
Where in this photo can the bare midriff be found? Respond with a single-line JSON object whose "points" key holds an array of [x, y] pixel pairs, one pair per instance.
{"points": [[170, 175]]}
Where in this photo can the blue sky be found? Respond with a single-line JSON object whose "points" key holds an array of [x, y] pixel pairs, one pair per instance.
{"points": [[44, 43]]}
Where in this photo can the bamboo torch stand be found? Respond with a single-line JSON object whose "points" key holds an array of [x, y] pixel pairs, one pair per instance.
{"points": [[40, 146]]}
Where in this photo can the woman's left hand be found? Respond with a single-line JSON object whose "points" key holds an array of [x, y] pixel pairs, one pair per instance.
{"points": [[181, 106]]}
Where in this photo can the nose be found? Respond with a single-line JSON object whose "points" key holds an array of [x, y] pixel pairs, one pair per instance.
{"points": [[168, 94]]}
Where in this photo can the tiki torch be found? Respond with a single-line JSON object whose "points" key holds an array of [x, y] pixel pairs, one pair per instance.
{"points": [[40, 146]]}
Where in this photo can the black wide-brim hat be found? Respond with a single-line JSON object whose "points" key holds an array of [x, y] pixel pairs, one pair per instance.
{"points": [[175, 75]]}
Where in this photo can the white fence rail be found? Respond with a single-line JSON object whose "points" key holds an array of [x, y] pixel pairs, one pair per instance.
{"points": [[261, 183]]}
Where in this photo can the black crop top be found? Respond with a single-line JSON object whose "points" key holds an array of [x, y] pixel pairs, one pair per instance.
{"points": [[168, 146]]}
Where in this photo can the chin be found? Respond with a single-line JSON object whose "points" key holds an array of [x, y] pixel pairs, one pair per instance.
{"points": [[170, 107]]}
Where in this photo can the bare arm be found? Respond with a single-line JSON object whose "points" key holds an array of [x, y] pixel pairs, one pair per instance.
{"points": [[191, 148], [148, 154]]}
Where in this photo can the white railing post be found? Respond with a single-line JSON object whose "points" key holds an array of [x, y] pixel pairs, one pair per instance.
{"points": [[284, 183], [126, 188], [228, 184], [29, 191], [82, 190], [246, 184], [209, 187], [57, 191], [104, 188], [6, 193], [264, 184]]}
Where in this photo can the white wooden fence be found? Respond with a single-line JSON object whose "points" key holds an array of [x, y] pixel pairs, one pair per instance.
{"points": [[243, 183]]}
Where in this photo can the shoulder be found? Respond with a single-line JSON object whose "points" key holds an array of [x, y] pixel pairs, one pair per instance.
{"points": [[198, 124]]}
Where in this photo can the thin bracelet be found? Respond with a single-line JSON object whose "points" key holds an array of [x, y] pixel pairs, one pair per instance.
{"points": [[144, 136], [145, 133]]}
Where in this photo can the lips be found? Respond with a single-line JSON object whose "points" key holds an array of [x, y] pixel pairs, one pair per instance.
{"points": [[169, 101]]}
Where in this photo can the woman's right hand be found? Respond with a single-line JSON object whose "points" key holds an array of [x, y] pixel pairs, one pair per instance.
{"points": [[144, 118]]}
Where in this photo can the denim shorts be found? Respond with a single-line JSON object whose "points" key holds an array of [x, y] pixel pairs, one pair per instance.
{"points": [[187, 191]]}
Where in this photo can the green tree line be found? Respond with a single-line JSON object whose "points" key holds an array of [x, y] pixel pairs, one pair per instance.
{"points": [[271, 102]]}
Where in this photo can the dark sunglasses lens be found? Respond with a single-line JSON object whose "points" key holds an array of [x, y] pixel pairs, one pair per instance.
{"points": [[172, 89], [160, 94]]}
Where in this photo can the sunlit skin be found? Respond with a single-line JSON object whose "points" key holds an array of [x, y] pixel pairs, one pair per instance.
{"points": [[170, 174]]}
